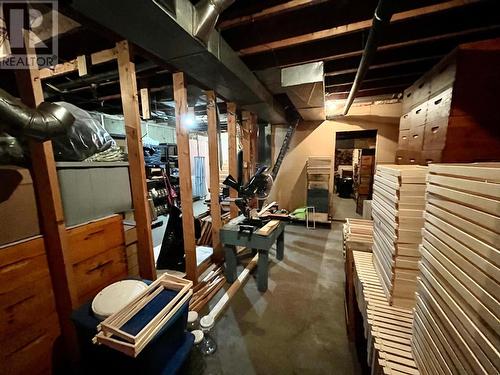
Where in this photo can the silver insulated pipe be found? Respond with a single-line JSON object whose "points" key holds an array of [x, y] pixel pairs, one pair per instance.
{"points": [[48, 120], [207, 13]]}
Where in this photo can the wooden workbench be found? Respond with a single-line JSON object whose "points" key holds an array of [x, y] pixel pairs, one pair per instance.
{"points": [[231, 237]]}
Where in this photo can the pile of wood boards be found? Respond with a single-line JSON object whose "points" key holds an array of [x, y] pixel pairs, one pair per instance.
{"points": [[397, 210], [206, 289], [456, 326], [358, 235], [387, 328], [206, 230]]}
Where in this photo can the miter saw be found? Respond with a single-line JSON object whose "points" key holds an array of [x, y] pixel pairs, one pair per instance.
{"points": [[258, 187]]}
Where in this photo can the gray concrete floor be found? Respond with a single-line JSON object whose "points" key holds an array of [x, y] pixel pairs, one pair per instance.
{"points": [[344, 208], [298, 325]]}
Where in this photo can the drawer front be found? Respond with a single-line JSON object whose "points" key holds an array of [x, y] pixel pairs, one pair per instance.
{"points": [[403, 139], [31, 350], [130, 235], [19, 307], [431, 156], [22, 264], [93, 274], [416, 138], [88, 240], [443, 77], [439, 106], [418, 116], [435, 134], [408, 99], [404, 122], [405, 157], [422, 90]]}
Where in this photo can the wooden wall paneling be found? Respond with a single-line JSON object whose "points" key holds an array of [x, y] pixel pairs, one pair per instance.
{"points": [[50, 209], [128, 90], [182, 131], [245, 142], [213, 156], [233, 151]]}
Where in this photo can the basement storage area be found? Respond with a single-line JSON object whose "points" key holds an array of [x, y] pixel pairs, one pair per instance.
{"points": [[249, 187]]}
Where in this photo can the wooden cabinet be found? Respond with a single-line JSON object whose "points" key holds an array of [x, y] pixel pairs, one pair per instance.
{"points": [[451, 113], [27, 309], [97, 255]]}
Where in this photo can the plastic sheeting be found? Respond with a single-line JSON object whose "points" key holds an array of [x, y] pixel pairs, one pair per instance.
{"points": [[85, 138]]}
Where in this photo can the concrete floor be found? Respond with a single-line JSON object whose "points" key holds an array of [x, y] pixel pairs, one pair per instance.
{"points": [[298, 325], [344, 208]]}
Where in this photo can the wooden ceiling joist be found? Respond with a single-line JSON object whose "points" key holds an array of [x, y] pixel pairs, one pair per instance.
{"points": [[268, 12], [352, 27]]}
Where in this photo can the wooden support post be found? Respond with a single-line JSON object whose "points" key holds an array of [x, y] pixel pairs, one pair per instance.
{"points": [[130, 103], [213, 157], [50, 210], [233, 157], [146, 113], [245, 143], [254, 130], [182, 131]]}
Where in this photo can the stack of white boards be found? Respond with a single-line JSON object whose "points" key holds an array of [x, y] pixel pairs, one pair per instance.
{"points": [[397, 210], [456, 322], [358, 234]]}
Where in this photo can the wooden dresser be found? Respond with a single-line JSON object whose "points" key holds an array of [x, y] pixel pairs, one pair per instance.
{"points": [[97, 256], [29, 323], [451, 113]]}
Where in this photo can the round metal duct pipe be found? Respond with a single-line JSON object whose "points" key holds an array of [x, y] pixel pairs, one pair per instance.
{"points": [[45, 122], [207, 13]]}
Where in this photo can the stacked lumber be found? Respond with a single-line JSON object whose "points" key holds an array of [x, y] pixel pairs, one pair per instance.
{"points": [[206, 232], [207, 288], [387, 328], [358, 235], [456, 327], [397, 210]]}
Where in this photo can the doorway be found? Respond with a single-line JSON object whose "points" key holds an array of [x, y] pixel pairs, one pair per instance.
{"points": [[353, 166]]}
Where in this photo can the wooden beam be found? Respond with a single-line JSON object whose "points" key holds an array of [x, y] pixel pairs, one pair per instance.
{"points": [[51, 211], [182, 131], [233, 153], [130, 103], [268, 12], [352, 27], [245, 143], [254, 130], [146, 113], [81, 65], [103, 56], [213, 157], [59, 69]]}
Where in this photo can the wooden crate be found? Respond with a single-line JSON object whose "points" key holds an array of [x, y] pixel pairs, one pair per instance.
{"points": [[449, 114], [397, 211], [27, 309], [97, 255], [456, 327]]}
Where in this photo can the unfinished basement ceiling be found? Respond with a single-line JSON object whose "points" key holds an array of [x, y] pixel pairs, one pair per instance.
{"points": [[270, 35]]}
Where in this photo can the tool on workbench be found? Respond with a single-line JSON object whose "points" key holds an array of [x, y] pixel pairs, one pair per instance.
{"points": [[258, 187]]}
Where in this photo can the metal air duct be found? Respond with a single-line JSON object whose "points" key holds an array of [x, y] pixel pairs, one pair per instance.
{"points": [[305, 86], [168, 33], [381, 19], [47, 121], [206, 14]]}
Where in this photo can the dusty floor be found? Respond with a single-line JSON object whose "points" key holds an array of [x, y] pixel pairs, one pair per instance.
{"points": [[344, 208], [297, 326]]}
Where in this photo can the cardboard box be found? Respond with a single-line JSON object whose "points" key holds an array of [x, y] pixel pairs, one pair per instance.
{"points": [[19, 213]]}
